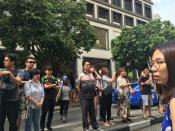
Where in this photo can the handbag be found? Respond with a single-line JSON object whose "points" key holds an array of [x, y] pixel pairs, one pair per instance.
{"points": [[108, 90]]}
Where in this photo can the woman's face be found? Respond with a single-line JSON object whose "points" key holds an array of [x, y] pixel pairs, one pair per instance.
{"points": [[123, 73], [36, 77], [159, 68]]}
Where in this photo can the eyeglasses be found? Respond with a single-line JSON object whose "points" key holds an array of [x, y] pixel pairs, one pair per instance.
{"points": [[31, 62], [155, 64]]}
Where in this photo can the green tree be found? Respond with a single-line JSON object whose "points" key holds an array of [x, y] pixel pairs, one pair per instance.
{"points": [[134, 46], [54, 31]]}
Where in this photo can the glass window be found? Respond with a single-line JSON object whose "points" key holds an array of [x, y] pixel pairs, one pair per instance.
{"points": [[103, 13], [102, 38], [148, 11], [128, 5], [129, 21], [116, 3], [117, 17], [139, 22], [90, 9], [138, 7]]}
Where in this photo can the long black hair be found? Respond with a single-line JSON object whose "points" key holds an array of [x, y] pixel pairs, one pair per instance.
{"points": [[168, 51]]}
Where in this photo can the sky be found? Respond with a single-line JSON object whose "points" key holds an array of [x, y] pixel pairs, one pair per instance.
{"points": [[165, 9]]}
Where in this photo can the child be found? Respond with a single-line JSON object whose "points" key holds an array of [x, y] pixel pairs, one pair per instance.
{"points": [[65, 98]]}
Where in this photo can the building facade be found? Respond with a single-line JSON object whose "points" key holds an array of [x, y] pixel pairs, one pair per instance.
{"points": [[108, 17]]}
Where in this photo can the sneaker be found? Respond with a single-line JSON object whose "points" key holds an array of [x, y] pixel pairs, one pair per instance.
{"points": [[64, 119], [49, 129], [85, 129]]}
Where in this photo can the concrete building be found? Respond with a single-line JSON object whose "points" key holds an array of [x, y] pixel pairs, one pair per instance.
{"points": [[108, 17]]}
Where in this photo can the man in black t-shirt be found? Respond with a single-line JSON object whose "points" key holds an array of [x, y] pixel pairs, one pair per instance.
{"points": [[50, 88], [9, 93]]}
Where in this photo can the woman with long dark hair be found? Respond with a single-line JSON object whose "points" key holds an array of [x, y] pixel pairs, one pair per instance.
{"points": [[163, 67]]}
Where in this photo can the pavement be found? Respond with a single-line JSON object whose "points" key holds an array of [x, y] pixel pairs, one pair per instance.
{"points": [[74, 122]]}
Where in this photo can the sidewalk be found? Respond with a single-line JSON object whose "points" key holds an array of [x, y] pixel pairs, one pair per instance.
{"points": [[138, 121]]}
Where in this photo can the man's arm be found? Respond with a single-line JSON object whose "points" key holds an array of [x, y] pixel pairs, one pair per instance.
{"points": [[17, 80], [48, 86]]}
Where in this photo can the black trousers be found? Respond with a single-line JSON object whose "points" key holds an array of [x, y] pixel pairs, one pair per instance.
{"points": [[100, 108], [87, 106], [105, 104], [64, 105], [9, 109], [47, 107]]}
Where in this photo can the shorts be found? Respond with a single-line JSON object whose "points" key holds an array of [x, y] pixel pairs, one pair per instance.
{"points": [[145, 100]]}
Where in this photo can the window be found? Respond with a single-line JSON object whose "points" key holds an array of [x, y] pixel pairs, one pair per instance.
{"points": [[102, 38], [148, 11], [117, 17], [128, 5], [116, 3], [90, 9], [129, 21], [103, 13], [139, 22], [138, 7]]}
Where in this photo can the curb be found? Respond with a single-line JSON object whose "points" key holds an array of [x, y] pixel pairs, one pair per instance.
{"points": [[138, 125]]}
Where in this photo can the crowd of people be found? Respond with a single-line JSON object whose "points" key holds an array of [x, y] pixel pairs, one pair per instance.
{"points": [[24, 90]]}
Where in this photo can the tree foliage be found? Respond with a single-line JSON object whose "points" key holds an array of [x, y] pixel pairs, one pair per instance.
{"points": [[52, 30], [134, 46]]}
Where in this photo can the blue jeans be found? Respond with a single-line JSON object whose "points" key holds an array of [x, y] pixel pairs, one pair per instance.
{"points": [[33, 118]]}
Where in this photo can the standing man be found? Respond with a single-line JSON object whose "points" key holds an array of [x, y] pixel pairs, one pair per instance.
{"points": [[25, 74], [87, 94], [50, 88], [9, 93]]}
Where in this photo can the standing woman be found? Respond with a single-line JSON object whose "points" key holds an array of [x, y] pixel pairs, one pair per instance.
{"points": [[106, 99], [34, 93], [163, 67], [124, 94]]}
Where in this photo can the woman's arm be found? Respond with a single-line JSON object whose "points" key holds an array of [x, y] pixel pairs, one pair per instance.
{"points": [[30, 99], [172, 113]]}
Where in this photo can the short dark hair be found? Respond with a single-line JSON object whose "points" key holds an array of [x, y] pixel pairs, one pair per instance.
{"points": [[168, 51], [11, 56], [30, 57], [33, 72], [48, 67], [65, 82], [84, 62]]}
